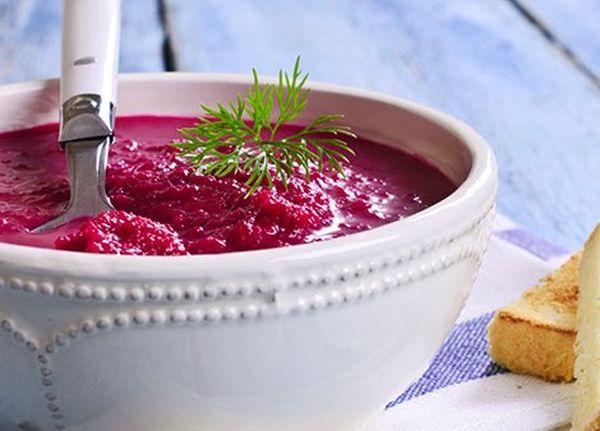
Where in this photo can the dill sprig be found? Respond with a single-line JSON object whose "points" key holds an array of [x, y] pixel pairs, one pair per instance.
{"points": [[244, 135]]}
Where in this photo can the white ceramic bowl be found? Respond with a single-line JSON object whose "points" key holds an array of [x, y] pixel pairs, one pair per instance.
{"points": [[314, 337]]}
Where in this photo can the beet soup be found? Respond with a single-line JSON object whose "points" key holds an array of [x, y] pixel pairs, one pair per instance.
{"points": [[165, 208]]}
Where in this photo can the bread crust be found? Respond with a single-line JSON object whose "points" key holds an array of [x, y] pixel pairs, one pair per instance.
{"points": [[594, 426], [536, 335], [524, 347]]}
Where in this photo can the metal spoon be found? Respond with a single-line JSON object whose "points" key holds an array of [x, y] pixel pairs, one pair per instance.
{"points": [[90, 46]]}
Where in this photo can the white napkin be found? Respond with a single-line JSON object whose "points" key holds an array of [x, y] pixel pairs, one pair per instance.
{"points": [[463, 389]]}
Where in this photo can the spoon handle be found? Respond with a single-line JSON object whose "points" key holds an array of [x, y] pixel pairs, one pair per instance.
{"points": [[90, 49]]}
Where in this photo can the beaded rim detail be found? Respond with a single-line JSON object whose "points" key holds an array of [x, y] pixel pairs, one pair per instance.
{"points": [[175, 292], [43, 366]]}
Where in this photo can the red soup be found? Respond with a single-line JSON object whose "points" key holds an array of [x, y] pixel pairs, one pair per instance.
{"points": [[165, 208]]}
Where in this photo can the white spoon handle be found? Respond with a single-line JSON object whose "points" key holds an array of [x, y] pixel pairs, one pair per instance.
{"points": [[90, 50]]}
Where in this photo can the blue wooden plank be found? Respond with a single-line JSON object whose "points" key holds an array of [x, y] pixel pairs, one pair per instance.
{"points": [[576, 23], [30, 38], [141, 37], [478, 60]]}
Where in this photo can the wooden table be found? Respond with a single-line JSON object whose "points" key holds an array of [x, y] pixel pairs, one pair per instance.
{"points": [[524, 73]]}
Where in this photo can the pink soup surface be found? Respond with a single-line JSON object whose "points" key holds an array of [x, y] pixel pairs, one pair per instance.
{"points": [[165, 208]]}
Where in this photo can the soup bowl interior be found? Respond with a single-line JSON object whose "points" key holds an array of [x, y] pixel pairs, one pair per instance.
{"points": [[309, 337]]}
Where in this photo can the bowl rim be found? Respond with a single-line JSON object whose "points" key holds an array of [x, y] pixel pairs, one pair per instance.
{"points": [[471, 196]]}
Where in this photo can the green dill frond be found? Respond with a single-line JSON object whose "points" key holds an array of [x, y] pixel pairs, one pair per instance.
{"points": [[242, 135]]}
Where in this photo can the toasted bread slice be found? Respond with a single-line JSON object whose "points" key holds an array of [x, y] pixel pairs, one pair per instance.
{"points": [[586, 416], [536, 334]]}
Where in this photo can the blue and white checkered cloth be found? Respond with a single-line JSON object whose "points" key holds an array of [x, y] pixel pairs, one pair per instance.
{"points": [[463, 389]]}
